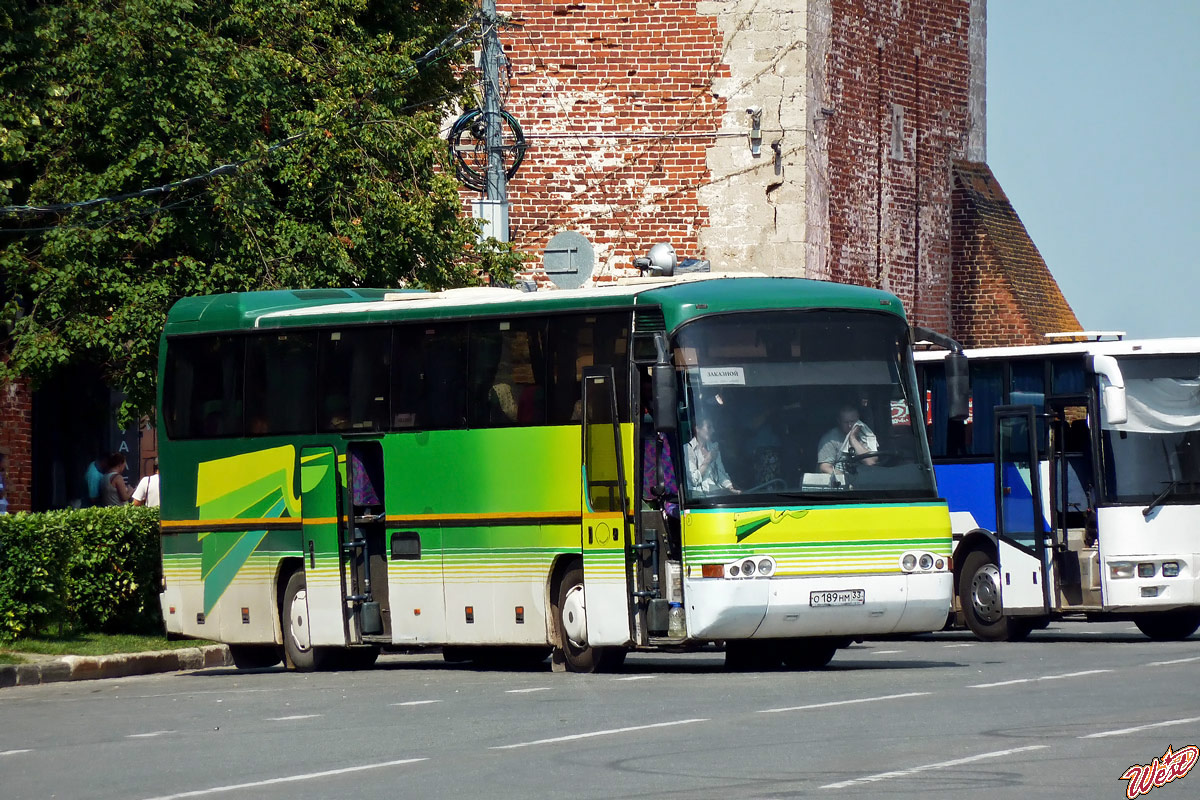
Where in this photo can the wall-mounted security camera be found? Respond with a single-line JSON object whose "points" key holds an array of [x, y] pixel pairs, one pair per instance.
{"points": [[755, 113]]}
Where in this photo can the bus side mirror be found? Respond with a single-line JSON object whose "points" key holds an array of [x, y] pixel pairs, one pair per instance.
{"points": [[958, 387], [1112, 395], [665, 403]]}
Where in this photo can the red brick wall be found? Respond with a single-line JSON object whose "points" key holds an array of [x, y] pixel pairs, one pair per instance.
{"points": [[16, 441], [889, 216], [617, 100]]}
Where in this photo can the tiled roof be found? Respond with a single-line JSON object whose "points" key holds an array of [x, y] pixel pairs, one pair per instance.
{"points": [[1014, 257]]}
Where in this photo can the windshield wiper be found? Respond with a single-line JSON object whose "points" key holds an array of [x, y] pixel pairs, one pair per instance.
{"points": [[1157, 501]]}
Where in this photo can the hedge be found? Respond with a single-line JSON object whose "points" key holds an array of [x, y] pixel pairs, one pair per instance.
{"points": [[85, 570]]}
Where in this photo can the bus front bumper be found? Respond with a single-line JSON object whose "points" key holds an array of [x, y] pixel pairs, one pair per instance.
{"points": [[790, 607]]}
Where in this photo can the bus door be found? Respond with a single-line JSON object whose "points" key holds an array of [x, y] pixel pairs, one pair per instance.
{"points": [[1020, 528], [363, 546], [320, 524], [605, 531], [1072, 515]]}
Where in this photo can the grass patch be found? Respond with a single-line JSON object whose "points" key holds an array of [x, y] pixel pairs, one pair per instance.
{"points": [[9, 658], [95, 644]]}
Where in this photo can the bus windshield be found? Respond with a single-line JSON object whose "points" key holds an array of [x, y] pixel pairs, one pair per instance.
{"points": [[771, 402], [1156, 452]]}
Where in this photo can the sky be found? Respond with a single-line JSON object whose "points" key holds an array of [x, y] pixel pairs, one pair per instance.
{"points": [[1093, 114]]}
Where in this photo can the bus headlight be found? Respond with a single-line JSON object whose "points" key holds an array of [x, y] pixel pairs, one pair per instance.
{"points": [[1121, 569], [765, 567], [747, 568], [1146, 570], [926, 561], [909, 562], [1170, 569]]}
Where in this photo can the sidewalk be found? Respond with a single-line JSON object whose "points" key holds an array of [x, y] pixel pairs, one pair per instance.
{"points": [[50, 669]]}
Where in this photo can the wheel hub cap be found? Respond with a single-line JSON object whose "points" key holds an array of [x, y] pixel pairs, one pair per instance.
{"points": [[985, 593], [298, 623], [574, 617]]}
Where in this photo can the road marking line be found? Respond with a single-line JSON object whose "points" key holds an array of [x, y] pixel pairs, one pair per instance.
{"points": [[526, 691], [417, 703], [147, 735], [637, 678], [1042, 678], [293, 717], [576, 736], [1123, 731], [13, 752], [1173, 661], [843, 702], [288, 779], [904, 773], [885, 652]]}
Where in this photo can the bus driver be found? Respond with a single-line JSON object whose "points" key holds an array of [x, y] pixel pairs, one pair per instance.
{"points": [[850, 440]]}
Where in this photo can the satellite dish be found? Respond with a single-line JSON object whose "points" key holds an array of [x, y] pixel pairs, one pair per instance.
{"points": [[569, 260]]}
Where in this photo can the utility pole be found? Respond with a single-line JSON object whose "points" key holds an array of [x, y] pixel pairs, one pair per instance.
{"points": [[494, 208]]}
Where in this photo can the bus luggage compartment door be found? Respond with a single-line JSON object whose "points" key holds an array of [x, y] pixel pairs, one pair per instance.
{"points": [[605, 531], [1020, 526]]}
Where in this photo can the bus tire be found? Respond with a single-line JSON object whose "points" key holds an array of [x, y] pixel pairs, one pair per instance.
{"points": [[805, 654], [255, 656], [979, 596], [1169, 626], [570, 622], [354, 658], [299, 654], [754, 655]]}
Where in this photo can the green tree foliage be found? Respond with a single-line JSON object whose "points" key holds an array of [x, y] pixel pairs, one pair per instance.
{"points": [[340, 176]]}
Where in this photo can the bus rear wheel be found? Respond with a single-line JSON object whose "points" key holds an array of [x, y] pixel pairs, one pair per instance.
{"points": [[570, 620], [299, 653], [1169, 626], [979, 596]]}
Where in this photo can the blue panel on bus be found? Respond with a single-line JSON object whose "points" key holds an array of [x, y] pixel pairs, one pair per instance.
{"points": [[969, 488]]}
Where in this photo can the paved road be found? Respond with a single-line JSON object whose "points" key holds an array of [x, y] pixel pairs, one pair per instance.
{"points": [[1062, 715]]}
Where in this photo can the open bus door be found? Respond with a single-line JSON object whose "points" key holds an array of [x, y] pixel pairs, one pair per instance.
{"points": [[314, 617], [605, 512], [1020, 526]]}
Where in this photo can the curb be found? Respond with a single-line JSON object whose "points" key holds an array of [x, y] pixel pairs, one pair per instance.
{"points": [[86, 668]]}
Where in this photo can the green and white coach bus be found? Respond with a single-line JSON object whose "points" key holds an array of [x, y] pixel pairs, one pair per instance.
{"points": [[506, 474]]}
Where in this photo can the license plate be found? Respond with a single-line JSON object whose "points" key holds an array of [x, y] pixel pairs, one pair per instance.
{"points": [[843, 597]]}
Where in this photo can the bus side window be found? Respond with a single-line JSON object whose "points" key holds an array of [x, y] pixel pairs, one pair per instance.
{"points": [[203, 387], [507, 372], [429, 377], [577, 342], [281, 371], [353, 373]]}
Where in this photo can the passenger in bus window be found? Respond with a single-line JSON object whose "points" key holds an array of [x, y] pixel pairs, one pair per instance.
{"points": [[705, 470], [851, 440]]}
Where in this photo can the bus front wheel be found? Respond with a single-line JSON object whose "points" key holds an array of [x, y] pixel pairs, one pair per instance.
{"points": [[299, 653], [979, 596], [570, 617], [1169, 626]]}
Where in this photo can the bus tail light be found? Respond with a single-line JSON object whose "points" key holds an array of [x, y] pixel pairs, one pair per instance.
{"points": [[1170, 569], [712, 570]]}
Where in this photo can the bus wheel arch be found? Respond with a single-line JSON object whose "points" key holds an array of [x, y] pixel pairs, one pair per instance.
{"points": [[979, 596]]}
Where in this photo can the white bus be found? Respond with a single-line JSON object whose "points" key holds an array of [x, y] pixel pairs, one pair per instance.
{"points": [[1107, 526]]}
